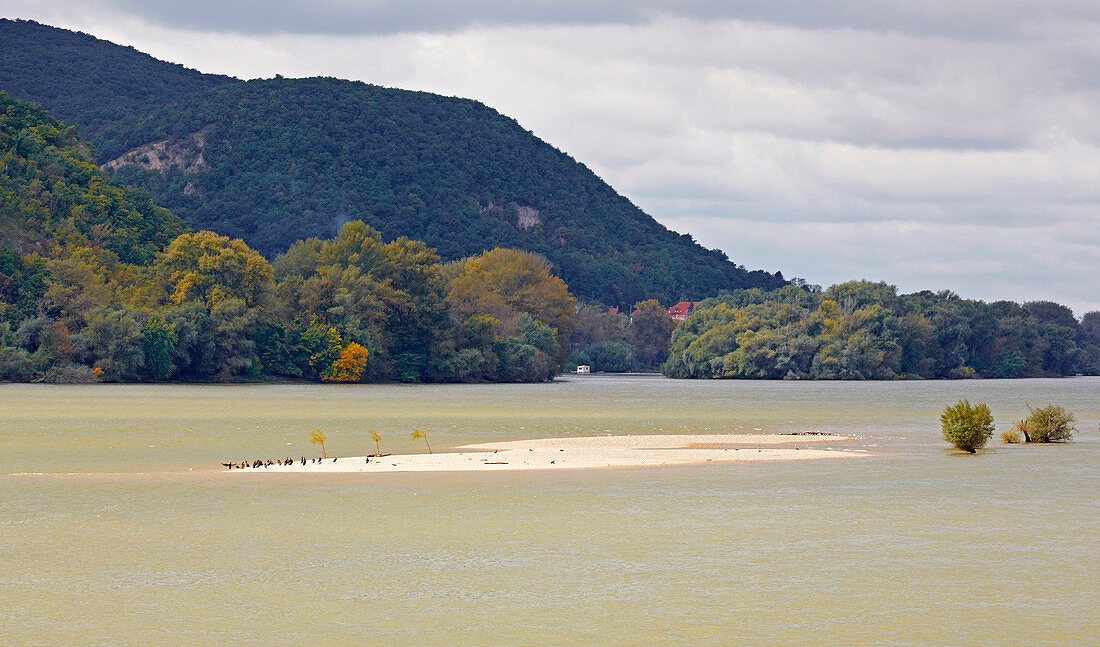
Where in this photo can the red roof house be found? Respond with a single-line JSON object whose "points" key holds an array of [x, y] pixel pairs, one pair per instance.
{"points": [[681, 310]]}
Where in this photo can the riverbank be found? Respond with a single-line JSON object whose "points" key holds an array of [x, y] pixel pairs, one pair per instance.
{"points": [[587, 453]]}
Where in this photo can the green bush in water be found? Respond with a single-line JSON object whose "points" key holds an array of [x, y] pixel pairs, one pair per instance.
{"points": [[967, 427], [1049, 424]]}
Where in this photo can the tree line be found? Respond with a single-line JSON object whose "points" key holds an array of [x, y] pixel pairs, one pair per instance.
{"points": [[866, 330], [348, 309]]}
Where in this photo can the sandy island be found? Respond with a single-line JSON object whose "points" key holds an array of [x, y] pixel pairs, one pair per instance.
{"points": [[587, 452]]}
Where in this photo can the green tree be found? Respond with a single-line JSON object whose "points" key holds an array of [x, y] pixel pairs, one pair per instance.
{"points": [[651, 333], [160, 344], [967, 427], [115, 338], [234, 351], [610, 357], [323, 345]]}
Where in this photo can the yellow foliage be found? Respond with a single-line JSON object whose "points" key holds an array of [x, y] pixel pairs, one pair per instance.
{"points": [[420, 434], [502, 283], [349, 366], [317, 437], [1015, 434], [212, 268]]}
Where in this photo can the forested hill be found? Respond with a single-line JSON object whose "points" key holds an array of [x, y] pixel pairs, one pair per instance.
{"points": [[102, 88], [276, 161], [52, 195]]}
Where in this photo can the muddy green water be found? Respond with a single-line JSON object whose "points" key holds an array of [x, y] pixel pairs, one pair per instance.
{"points": [[117, 528]]}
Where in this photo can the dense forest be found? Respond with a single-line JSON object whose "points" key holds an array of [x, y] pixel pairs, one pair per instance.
{"points": [[99, 284], [865, 330], [276, 161]]}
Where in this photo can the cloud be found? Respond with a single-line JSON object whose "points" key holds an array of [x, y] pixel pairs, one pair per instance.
{"points": [[976, 261], [974, 19]]}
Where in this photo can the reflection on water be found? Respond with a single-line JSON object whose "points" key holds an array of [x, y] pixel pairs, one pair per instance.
{"points": [[118, 542]]}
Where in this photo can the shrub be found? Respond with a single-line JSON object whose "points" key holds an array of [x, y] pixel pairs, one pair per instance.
{"points": [[68, 374], [1016, 434], [1050, 424], [967, 427], [16, 365]]}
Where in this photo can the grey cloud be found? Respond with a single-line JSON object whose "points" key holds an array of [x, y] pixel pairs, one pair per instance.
{"points": [[986, 262], [972, 19]]}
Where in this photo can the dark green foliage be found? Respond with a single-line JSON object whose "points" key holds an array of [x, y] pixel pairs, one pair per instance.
{"points": [[233, 322], [160, 344], [283, 160], [650, 332], [451, 172], [608, 357], [863, 330], [1090, 341], [195, 345], [16, 365], [102, 87], [115, 338], [967, 427]]}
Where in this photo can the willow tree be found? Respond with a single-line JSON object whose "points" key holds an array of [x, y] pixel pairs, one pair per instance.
{"points": [[967, 427], [503, 283]]}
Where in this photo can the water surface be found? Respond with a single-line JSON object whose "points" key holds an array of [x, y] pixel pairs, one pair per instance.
{"points": [[115, 526]]}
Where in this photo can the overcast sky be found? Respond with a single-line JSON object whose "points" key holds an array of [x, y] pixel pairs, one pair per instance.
{"points": [[929, 145]]}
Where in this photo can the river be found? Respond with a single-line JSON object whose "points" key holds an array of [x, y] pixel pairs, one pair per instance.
{"points": [[118, 525]]}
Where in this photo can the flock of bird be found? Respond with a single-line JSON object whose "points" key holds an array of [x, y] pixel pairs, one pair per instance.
{"points": [[268, 463]]}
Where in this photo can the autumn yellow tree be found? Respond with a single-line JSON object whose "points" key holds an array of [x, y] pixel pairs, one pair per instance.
{"points": [[213, 268], [503, 283], [420, 434], [317, 437], [349, 366]]}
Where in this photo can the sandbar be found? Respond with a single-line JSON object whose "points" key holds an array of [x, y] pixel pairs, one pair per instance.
{"points": [[586, 453]]}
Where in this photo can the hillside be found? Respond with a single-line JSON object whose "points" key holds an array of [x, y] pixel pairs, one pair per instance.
{"points": [[102, 88], [52, 194], [276, 161]]}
